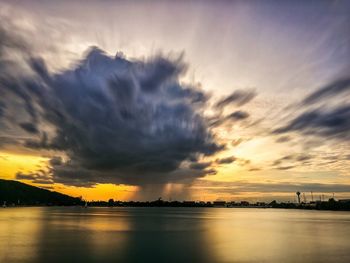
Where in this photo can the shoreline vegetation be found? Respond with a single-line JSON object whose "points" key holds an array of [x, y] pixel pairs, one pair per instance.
{"points": [[17, 194]]}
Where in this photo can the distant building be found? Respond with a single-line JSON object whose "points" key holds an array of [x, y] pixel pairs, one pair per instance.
{"points": [[219, 203], [343, 201], [189, 203], [244, 203]]}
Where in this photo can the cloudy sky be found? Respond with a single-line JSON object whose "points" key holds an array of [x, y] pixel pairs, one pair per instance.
{"points": [[200, 100]]}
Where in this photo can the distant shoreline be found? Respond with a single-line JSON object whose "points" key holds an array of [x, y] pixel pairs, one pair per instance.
{"points": [[169, 206], [17, 194]]}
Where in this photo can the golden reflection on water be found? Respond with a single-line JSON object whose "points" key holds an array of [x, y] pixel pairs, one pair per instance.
{"points": [[36, 234], [251, 235], [172, 235], [19, 232]]}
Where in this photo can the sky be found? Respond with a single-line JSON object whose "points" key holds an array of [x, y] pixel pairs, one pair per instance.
{"points": [[184, 100]]}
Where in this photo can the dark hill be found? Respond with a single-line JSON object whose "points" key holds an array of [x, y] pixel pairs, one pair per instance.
{"points": [[14, 192]]}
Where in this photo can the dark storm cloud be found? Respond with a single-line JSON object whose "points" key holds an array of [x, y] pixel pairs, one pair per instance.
{"points": [[237, 98], [117, 120], [29, 127], [18, 116], [41, 143], [157, 73], [56, 161], [2, 109], [9, 39]]}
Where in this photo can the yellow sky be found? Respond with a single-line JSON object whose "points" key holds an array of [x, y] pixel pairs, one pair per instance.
{"points": [[11, 163]]}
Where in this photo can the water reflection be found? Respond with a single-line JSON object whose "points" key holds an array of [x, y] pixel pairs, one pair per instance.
{"points": [[19, 230], [250, 235], [167, 235], [172, 235]]}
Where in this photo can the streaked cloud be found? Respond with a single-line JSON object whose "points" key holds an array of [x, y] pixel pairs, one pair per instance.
{"points": [[329, 120]]}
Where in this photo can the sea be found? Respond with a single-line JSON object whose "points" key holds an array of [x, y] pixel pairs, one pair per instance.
{"points": [[125, 234]]}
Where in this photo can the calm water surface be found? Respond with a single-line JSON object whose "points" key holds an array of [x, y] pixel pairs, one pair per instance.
{"points": [[173, 235]]}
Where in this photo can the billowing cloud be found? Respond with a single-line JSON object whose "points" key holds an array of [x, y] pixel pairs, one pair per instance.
{"points": [[115, 120]]}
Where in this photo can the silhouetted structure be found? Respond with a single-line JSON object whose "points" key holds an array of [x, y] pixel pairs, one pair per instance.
{"points": [[111, 202], [15, 193], [298, 195], [219, 203]]}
